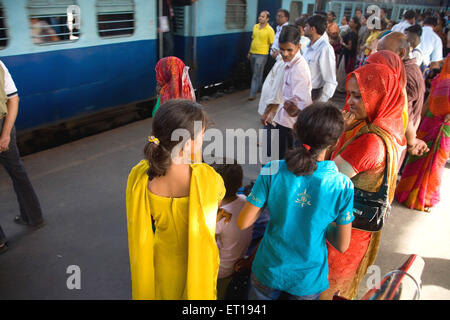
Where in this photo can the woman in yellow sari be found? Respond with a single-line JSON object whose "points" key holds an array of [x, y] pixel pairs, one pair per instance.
{"points": [[179, 259]]}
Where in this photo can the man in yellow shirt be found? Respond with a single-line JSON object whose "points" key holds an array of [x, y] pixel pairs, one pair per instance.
{"points": [[262, 39]]}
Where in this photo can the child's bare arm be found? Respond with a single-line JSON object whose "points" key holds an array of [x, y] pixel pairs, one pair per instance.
{"points": [[338, 235], [248, 215]]}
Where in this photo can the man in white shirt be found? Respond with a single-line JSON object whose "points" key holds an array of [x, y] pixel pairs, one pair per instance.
{"points": [[304, 41], [296, 90], [409, 19], [321, 59], [431, 44], [30, 210], [413, 35], [282, 20]]}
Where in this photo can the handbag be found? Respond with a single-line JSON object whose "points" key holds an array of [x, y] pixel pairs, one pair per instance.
{"points": [[371, 209]]}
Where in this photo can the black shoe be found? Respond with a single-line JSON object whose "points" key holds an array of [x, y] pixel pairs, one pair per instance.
{"points": [[19, 220], [3, 248]]}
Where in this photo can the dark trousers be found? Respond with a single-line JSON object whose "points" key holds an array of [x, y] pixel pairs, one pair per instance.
{"points": [[30, 209], [285, 140]]}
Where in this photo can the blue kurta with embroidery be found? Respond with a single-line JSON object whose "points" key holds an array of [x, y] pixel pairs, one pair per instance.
{"points": [[293, 256]]}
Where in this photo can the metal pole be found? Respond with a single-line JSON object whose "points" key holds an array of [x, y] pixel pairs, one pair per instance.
{"points": [[194, 34], [160, 34]]}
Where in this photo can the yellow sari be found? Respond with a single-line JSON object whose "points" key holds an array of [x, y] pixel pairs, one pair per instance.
{"points": [[202, 256]]}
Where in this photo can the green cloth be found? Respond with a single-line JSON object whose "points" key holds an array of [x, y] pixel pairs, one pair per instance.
{"points": [[156, 107]]}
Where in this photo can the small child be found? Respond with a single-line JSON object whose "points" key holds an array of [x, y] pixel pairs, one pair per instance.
{"points": [[231, 241], [304, 197]]}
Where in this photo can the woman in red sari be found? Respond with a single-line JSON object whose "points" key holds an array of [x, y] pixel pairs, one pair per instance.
{"points": [[375, 97], [421, 178], [173, 80]]}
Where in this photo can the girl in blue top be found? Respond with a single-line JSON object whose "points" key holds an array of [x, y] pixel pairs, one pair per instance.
{"points": [[309, 202]]}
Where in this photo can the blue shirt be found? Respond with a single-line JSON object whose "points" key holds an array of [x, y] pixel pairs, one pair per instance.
{"points": [[293, 256]]}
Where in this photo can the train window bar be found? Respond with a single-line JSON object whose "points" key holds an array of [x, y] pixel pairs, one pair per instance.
{"points": [[236, 14], [54, 21], [3, 28], [115, 18]]}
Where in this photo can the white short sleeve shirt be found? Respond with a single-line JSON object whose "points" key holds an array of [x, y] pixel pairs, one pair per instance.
{"points": [[10, 87]]}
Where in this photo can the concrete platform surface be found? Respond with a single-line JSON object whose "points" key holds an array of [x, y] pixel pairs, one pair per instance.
{"points": [[81, 186]]}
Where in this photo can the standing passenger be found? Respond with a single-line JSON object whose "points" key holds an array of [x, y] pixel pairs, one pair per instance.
{"points": [[296, 89], [300, 22], [282, 21], [431, 45], [180, 259], [409, 19], [172, 81], [304, 197], [262, 37], [321, 60], [375, 97], [30, 209]]}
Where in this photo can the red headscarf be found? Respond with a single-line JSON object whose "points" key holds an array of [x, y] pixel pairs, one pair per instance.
{"points": [[393, 61], [173, 78], [383, 98]]}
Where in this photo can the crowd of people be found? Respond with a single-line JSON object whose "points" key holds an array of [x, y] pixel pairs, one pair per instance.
{"points": [[194, 231], [207, 241]]}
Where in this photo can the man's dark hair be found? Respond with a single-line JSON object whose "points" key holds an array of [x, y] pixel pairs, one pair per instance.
{"points": [[285, 12], [322, 13], [319, 22], [416, 29], [290, 34], [410, 14], [332, 13], [431, 21], [232, 175], [358, 9], [301, 21]]}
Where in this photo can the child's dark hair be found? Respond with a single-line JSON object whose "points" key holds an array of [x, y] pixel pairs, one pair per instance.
{"points": [[318, 126], [232, 176], [290, 34], [172, 115]]}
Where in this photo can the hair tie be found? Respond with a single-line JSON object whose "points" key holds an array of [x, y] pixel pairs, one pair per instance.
{"points": [[307, 147], [153, 139]]}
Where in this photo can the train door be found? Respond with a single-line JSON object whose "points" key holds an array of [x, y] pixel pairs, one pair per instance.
{"points": [[173, 16], [272, 6]]}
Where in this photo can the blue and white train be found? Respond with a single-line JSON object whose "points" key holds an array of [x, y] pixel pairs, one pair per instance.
{"points": [[105, 56]]}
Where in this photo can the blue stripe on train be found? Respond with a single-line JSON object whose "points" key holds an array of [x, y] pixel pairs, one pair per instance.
{"points": [[58, 85], [217, 55]]}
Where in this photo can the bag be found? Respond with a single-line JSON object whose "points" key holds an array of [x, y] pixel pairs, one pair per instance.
{"points": [[371, 209]]}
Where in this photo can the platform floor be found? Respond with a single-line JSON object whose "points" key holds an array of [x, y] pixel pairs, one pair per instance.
{"points": [[81, 186]]}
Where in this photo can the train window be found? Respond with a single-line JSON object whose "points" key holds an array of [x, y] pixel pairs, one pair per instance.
{"points": [[336, 8], [295, 10], [236, 14], [53, 21], [115, 17], [348, 10], [389, 13], [178, 14], [310, 9], [3, 28]]}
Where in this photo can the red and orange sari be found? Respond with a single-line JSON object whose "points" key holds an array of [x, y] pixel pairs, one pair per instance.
{"points": [[383, 98], [421, 178], [173, 79]]}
